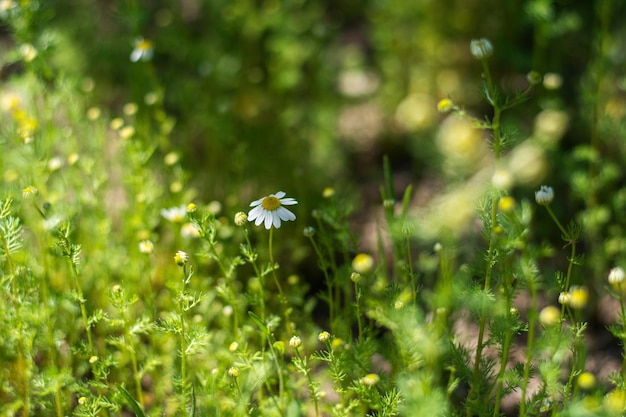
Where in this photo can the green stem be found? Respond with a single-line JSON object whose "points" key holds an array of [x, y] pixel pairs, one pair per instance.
{"points": [[558, 223], [281, 295], [623, 320], [532, 319], [329, 283], [357, 306], [183, 336], [312, 390], [497, 141], [83, 309], [22, 371]]}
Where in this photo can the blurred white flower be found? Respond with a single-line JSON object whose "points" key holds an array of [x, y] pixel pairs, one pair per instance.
{"points": [[175, 214], [143, 50]]}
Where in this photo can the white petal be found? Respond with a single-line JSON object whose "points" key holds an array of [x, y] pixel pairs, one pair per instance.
{"points": [[279, 194], [255, 212], [268, 220], [276, 219], [261, 218], [288, 201], [135, 55], [256, 202], [285, 214]]}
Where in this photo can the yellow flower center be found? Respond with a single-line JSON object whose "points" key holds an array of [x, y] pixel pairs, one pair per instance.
{"points": [[144, 45], [270, 203]]}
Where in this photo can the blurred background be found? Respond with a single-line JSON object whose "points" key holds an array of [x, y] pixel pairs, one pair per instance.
{"points": [[251, 97]]}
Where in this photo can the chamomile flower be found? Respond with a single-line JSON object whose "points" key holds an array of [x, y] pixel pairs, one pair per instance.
{"points": [[175, 214], [143, 50], [270, 211]]}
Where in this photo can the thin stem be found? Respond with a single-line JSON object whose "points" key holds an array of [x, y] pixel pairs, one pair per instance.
{"points": [[83, 309], [283, 299], [532, 319], [357, 306], [410, 266], [558, 223], [21, 357], [329, 283], [497, 141], [623, 319], [183, 336], [312, 390]]}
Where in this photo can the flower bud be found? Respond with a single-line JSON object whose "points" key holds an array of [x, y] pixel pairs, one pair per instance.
{"points": [[544, 196], [481, 48]]}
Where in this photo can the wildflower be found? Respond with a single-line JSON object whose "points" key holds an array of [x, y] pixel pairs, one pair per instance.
{"points": [[544, 196], [399, 304], [55, 163], [191, 208], [437, 247], [445, 105], [82, 400], [181, 258], [481, 48], [549, 316], [176, 187], [502, 179], [146, 246], [73, 158], [93, 359], [308, 231], [586, 380], [328, 192], [175, 214], [143, 50], [5, 6], [552, 81], [117, 123], [28, 52], [214, 207], [337, 343], [130, 109], [323, 336], [534, 77], [369, 380], [270, 211], [506, 204], [30, 191], [241, 218], [355, 277], [233, 347], [578, 297], [295, 342], [228, 311], [127, 132], [171, 158], [93, 113], [564, 298], [363, 263], [615, 402], [616, 276], [233, 371], [189, 230]]}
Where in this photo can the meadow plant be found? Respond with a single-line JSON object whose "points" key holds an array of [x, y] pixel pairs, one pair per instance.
{"points": [[126, 289]]}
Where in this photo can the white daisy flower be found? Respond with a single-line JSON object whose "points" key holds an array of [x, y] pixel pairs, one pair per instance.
{"points": [[143, 50], [270, 211], [175, 214]]}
